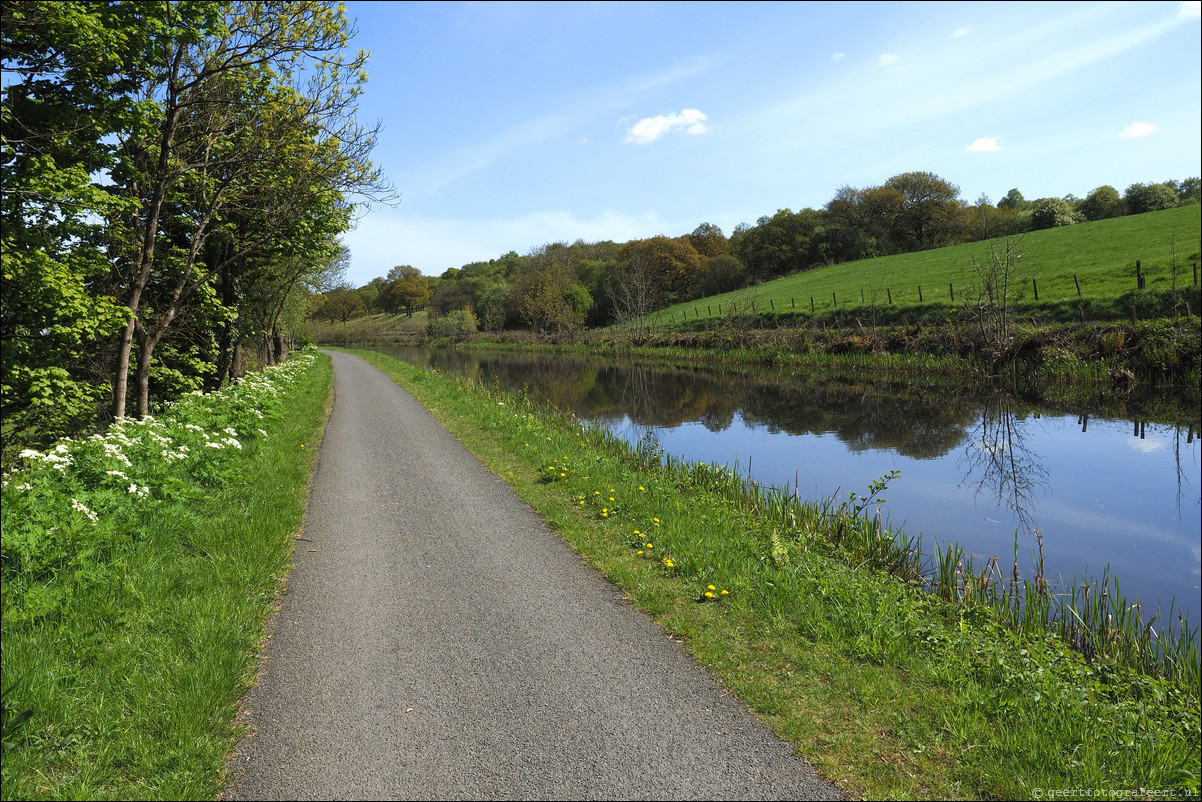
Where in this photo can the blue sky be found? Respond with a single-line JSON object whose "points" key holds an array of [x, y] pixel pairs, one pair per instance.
{"points": [[510, 125]]}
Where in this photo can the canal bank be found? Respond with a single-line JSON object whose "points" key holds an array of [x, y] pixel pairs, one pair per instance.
{"points": [[903, 695]]}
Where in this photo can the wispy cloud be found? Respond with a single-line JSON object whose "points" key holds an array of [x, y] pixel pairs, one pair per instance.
{"points": [[986, 144], [649, 129], [838, 56], [1136, 130], [888, 59], [965, 31]]}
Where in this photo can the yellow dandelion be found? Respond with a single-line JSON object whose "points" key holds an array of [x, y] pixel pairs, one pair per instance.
{"points": [[709, 594], [668, 563], [711, 587], [642, 488], [640, 551], [725, 593], [649, 545]]}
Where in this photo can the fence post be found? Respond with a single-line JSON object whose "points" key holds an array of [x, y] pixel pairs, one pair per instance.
{"points": [[889, 293], [811, 304], [835, 299], [951, 291], [1035, 287], [794, 303], [920, 293], [1077, 281]]}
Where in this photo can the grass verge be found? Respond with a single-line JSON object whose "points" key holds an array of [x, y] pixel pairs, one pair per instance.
{"points": [[125, 652], [888, 689]]}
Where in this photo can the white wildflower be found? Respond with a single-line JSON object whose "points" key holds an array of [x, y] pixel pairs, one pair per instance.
{"points": [[80, 508]]}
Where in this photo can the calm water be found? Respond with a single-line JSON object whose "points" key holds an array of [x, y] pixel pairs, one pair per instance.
{"points": [[977, 467]]}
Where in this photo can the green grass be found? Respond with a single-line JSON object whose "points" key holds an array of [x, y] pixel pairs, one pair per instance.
{"points": [[369, 328], [134, 673], [1101, 255], [888, 689]]}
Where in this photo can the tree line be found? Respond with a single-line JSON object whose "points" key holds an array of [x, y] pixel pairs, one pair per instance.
{"points": [[175, 178], [561, 287]]}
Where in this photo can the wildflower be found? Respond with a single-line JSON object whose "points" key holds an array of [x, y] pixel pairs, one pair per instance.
{"points": [[80, 508], [641, 487], [118, 474], [649, 545], [725, 593], [711, 587], [668, 563], [709, 594]]}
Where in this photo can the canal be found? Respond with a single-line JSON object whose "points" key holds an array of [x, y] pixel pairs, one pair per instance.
{"points": [[1090, 483]]}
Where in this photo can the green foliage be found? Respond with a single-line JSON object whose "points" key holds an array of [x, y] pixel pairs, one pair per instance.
{"points": [[134, 613], [1052, 213]]}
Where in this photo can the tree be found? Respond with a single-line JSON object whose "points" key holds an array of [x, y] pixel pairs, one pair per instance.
{"points": [[1051, 213], [406, 288], [1100, 204], [67, 92], [929, 212], [1014, 200], [1142, 198], [707, 239], [781, 244], [258, 105]]}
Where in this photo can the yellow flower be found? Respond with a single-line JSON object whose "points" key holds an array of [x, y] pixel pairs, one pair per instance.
{"points": [[668, 563], [709, 595], [640, 551], [649, 545], [725, 592], [642, 488], [711, 587]]}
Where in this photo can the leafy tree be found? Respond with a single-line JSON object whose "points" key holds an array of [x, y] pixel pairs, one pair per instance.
{"points": [[1100, 204], [1051, 213], [1142, 198], [1014, 200], [708, 240], [407, 288], [67, 93], [929, 214], [781, 244]]}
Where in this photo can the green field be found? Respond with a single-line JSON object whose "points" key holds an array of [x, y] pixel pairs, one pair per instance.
{"points": [[1098, 256]]}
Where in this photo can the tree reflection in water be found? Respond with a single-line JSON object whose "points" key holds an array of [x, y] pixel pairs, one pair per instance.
{"points": [[998, 463]]}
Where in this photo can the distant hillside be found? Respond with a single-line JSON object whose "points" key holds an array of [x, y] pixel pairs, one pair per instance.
{"points": [[1099, 258]]}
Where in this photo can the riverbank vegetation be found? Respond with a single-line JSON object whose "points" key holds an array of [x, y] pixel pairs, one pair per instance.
{"points": [[139, 567], [1114, 300], [898, 676]]}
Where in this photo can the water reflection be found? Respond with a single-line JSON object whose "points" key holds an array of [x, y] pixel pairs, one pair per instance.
{"points": [[978, 465], [999, 463]]}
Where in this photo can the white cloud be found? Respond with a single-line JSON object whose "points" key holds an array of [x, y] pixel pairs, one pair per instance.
{"points": [[965, 31], [649, 129], [1136, 130], [986, 144], [888, 59], [838, 56], [1191, 9]]}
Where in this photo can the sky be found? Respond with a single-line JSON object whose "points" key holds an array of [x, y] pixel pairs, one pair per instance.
{"points": [[508, 126]]}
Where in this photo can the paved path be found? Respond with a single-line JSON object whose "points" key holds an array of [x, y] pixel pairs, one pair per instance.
{"points": [[438, 641]]}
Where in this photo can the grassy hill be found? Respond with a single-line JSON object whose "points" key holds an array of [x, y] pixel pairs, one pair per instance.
{"points": [[1097, 260]]}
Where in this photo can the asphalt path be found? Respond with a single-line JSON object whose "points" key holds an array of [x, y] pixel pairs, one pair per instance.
{"points": [[438, 641]]}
